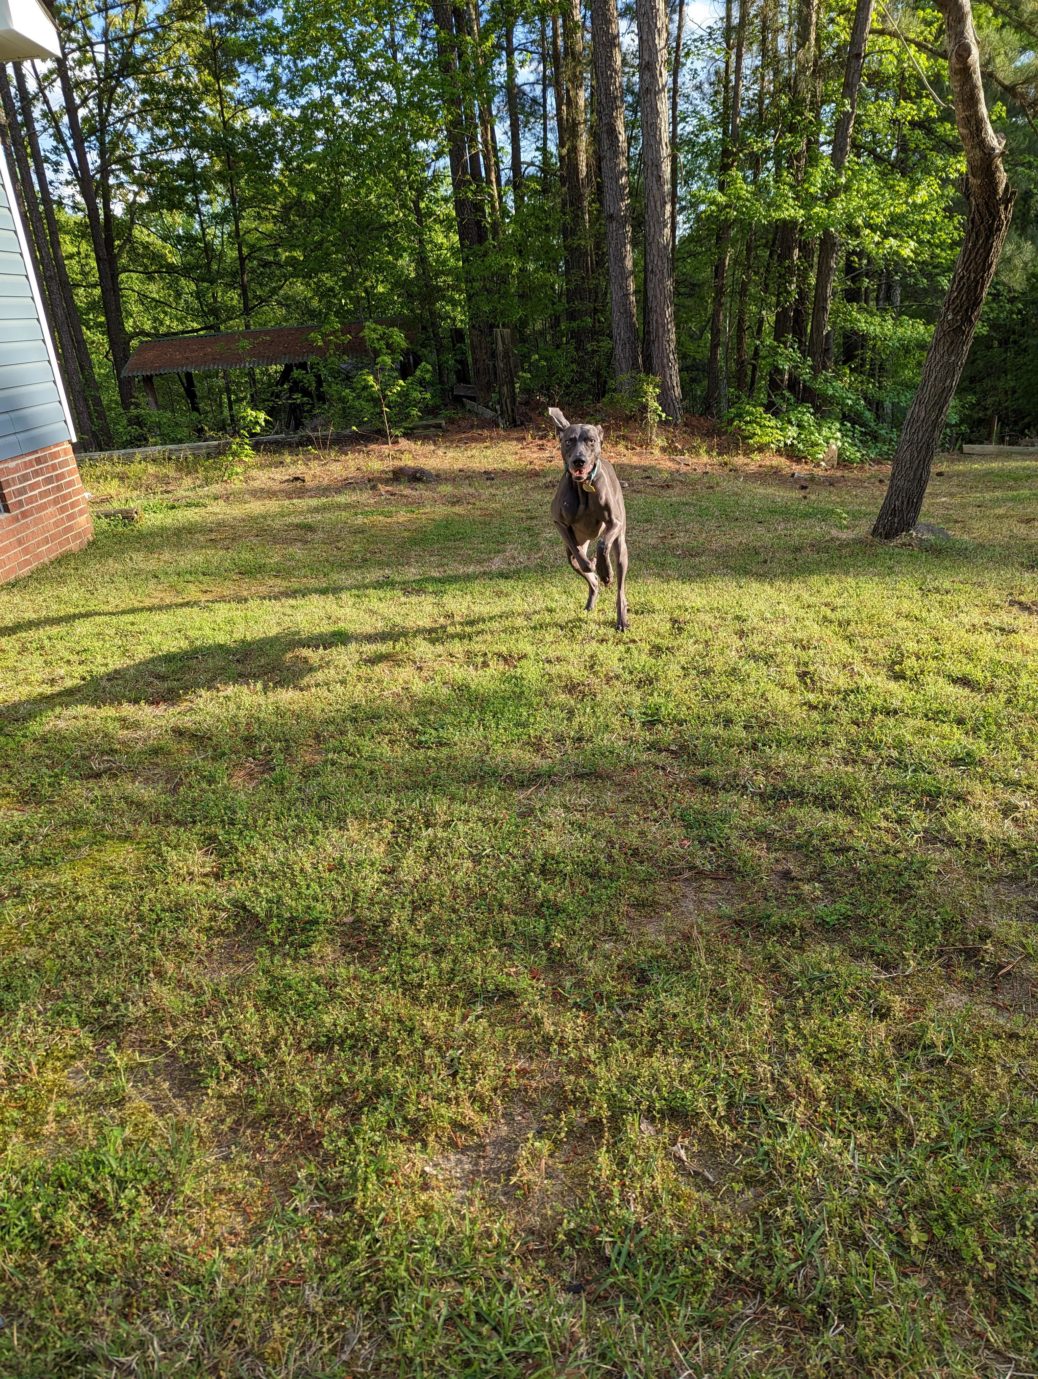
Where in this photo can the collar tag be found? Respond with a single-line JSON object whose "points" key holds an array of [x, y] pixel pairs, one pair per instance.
{"points": [[588, 484]]}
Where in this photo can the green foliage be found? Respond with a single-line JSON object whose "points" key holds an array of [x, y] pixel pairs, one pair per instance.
{"points": [[796, 429], [239, 453], [638, 396], [377, 395], [161, 427], [757, 427]]}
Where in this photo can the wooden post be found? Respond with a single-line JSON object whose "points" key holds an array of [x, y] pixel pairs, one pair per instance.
{"points": [[504, 355], [148, 384]]}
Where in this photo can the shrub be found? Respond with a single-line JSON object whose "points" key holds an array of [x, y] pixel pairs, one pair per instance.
{"points": [[377, 395], [637, 395], [240, 451], [798, 431]]}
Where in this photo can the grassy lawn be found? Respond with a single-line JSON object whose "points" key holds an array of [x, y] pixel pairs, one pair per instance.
{"points": [[405, 974]]}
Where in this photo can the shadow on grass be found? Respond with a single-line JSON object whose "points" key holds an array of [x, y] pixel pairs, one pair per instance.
{"points": [[681, 556], [173, 676]]}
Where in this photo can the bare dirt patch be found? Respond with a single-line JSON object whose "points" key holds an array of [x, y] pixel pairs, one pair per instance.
{"points": [[701, 900], [519, 1166], [248, 773], [489, 1164]]}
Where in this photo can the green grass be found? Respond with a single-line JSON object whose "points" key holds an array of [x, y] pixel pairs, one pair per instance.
{"points": [[405, 974]]}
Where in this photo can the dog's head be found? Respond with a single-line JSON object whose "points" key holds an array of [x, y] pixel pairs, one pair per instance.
{"points": [[581, 445]]}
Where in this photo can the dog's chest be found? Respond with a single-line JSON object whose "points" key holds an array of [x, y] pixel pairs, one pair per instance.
{"points": [[581, 504]]}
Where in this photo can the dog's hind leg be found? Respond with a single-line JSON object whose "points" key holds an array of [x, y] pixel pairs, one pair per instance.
{"points": [[620, 555]]}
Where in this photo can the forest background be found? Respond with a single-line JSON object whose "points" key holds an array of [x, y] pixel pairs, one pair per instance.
{"points": [[192, 166]]}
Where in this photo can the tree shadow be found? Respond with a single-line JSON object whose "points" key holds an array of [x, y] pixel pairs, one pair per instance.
{"points": [[274, 662]]}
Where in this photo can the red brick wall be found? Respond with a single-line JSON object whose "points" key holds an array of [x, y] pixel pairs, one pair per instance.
{"points": [[45, 510]]}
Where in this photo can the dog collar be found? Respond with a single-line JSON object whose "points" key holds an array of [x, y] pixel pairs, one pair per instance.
{"points": [[588, 484]]}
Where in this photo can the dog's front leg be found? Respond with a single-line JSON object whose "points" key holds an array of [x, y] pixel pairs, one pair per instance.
{"points": [[578, 559]]}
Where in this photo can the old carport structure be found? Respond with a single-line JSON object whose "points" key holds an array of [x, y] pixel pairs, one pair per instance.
{"points": [[187, 355]]}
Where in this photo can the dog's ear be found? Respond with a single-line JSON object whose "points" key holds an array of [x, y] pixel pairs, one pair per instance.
{"points": [[560, 421], [600, 433]]}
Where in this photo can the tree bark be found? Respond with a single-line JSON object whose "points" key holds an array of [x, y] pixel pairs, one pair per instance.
{"points": [[716, 404], [107, 268], [544, 98], [44, 262], [659, 266], [468, 207], [679, 32], [573, 158], [515, 134], [616, 196], [788, 247], [100, 427], [987, 223], [819, 344], [487, 136]]}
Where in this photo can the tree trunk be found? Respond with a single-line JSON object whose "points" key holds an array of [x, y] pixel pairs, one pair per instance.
{"points": [[716, 404], [987, 223], [44, 263], [616, 197], [819, 345], [576, 222], [107, 268], [758, 334], [659, 266], [230, 168], [679, 31], [544, 98], [99, 419], [468, 207], [788, 247], [515, 133], [487, 137], [742, 310]]}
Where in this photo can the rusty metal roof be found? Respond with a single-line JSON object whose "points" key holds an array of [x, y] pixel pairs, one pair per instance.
{"points": [[240, 349]]}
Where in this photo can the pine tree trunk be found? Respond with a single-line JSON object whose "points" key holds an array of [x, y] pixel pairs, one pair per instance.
{"points": [[819, 345], [107, 266], [468, 205], [99, 419], [616, 197], [484, 115], [987, 224], [741, 311], [659, 265], [788, 247], [44, 264], [573, 157], [716, 404], [675, 92], [544, 99], [515, 134]]}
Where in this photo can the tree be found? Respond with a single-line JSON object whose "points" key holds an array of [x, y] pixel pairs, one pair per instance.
{"points": [[828, 250], [469, 204], [659, 265], [787, 250], [716, 404], [56, 305], [616, 200], [987, 223]]}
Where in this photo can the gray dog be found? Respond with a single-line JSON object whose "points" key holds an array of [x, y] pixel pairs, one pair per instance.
{"points": [[589, 506]]}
